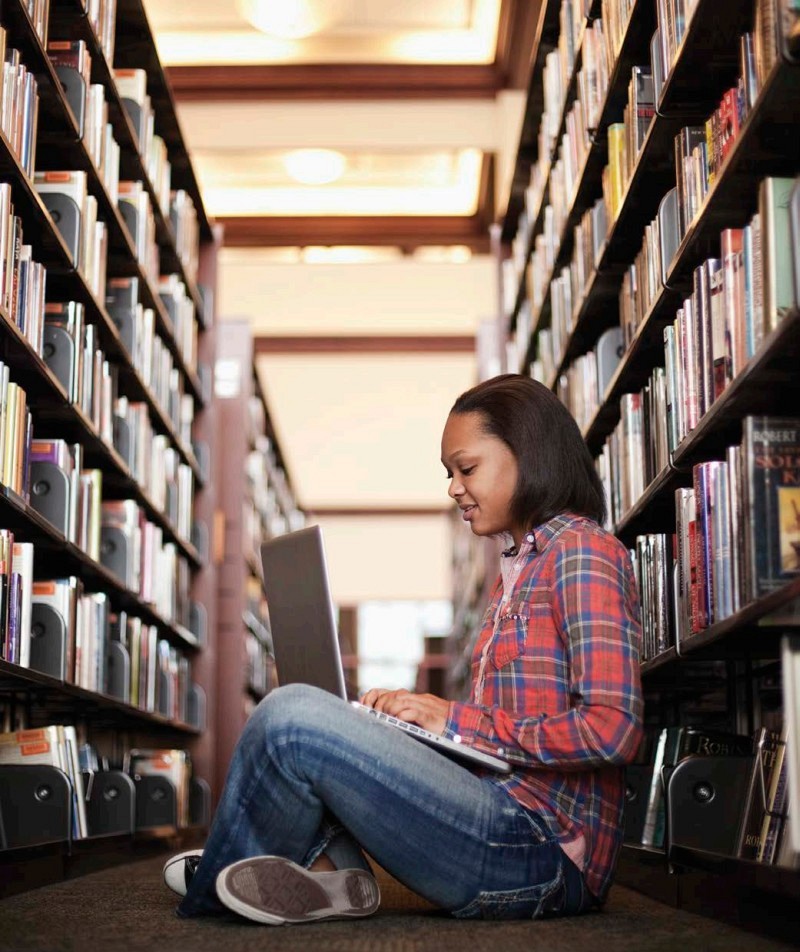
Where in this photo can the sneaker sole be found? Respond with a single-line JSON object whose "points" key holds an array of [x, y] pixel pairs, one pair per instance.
{"points": [[275, 891]]}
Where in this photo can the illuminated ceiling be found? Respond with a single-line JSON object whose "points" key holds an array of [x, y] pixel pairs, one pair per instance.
{"points": [[245, 183], [410, 95], [219, 44], [326, 31]]}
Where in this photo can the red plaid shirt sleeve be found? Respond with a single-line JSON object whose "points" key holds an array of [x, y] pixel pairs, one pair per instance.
{"points": [[595, 611]]}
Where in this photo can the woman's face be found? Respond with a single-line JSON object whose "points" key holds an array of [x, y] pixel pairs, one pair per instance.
{"points": [[483, 475]]}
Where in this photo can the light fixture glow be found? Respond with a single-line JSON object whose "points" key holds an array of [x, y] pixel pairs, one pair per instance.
{"points": [[348, 254], [229, 189], [288, 19], [315, 166]]}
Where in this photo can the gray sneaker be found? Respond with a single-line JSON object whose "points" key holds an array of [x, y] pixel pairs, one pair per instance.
{"points": [[274, 890]]}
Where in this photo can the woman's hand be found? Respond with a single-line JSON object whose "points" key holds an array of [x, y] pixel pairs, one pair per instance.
{"points": [[427, 710]]}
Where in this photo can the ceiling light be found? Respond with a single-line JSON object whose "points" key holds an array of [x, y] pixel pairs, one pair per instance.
{"points": [[289, 19], [444, 254], [349, 254], [314, 166]]}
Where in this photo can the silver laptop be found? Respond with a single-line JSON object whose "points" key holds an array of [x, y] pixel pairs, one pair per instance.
{"points": [[304, 636]]}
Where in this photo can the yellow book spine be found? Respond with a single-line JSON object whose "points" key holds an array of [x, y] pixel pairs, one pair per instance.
{"points": [[710, 151], [616, 164], [19, 447], [10, 432]]}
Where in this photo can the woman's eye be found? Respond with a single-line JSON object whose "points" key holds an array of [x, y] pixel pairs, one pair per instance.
{"points": [[468, 471]]}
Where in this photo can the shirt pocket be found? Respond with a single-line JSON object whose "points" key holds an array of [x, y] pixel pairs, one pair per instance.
{"points": [[508, 642]]}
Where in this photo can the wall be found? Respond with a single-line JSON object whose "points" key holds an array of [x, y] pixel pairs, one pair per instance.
{"points": [[406, 296], [387, 557], [363, 430]]}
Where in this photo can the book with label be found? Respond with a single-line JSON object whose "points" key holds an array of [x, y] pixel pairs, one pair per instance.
{"points": [[749, 841], [771, 472]]}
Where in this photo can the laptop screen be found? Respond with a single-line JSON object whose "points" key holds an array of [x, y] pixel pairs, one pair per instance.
{"points": [[301, 612]]}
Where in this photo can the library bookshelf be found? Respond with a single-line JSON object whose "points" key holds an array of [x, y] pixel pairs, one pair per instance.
{"points": [[107, 344], [602, 236], [256, 501]]}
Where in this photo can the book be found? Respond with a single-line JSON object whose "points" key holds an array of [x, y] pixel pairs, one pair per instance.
{"points": [[685, 142], [732, 317], [776, 250], [765, 39], [722, 542], [788, 26], [22, 585], [703, 484], [771, 470], [794, 215], [733, 457], [642, 106], [766, 744], [685, 520], [616, 163], [790, 665], [651, 834], [776, 800], [720, 335]]}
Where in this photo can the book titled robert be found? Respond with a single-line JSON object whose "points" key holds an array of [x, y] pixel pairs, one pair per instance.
{"points": [[771, 459]]}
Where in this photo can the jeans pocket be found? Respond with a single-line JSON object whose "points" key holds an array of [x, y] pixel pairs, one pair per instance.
{"points": [[528, 903], [540, 832]]}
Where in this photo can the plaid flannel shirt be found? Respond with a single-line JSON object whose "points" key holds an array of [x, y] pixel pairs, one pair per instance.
{"points": [[556, 685]]}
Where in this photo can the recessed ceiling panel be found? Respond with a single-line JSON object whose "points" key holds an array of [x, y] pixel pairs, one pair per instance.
{"points": [[325, 31], [335, 16], [249, 182]]}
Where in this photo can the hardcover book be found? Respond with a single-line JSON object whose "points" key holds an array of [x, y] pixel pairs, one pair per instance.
{"points": [[764, 761], [790, 664], [771, 463], [776, 256]]}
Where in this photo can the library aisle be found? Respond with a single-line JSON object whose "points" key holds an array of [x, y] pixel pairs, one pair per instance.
{"points": [[249, 257]]}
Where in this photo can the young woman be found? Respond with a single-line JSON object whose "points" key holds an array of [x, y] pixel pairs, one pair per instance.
{"points": [[555, 686]]}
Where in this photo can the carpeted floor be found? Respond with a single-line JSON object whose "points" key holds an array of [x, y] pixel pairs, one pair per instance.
{"points": [[128, 909]]}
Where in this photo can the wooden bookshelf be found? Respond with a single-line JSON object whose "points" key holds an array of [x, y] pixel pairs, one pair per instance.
{"points": [[705, 65], [256, 500], [31, 697]]}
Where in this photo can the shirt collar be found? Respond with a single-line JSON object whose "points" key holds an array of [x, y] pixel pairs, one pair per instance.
{"points": [[537, 540]]}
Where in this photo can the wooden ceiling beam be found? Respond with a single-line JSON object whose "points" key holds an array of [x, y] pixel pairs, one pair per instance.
{"points": [[363, 81], [407, 233], [365, 344], [332, 81]]}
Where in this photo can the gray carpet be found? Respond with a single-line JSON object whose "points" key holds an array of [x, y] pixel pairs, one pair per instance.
{"points": [[128, 909]]}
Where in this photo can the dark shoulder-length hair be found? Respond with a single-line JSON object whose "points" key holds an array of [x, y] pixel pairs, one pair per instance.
{"points": [[556, 471]]}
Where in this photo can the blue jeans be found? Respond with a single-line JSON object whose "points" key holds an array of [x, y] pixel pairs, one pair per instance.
{"points": [[310, 774]]}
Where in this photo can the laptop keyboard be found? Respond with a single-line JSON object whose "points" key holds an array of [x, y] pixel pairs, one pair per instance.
{"points": [[390, 719]]}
